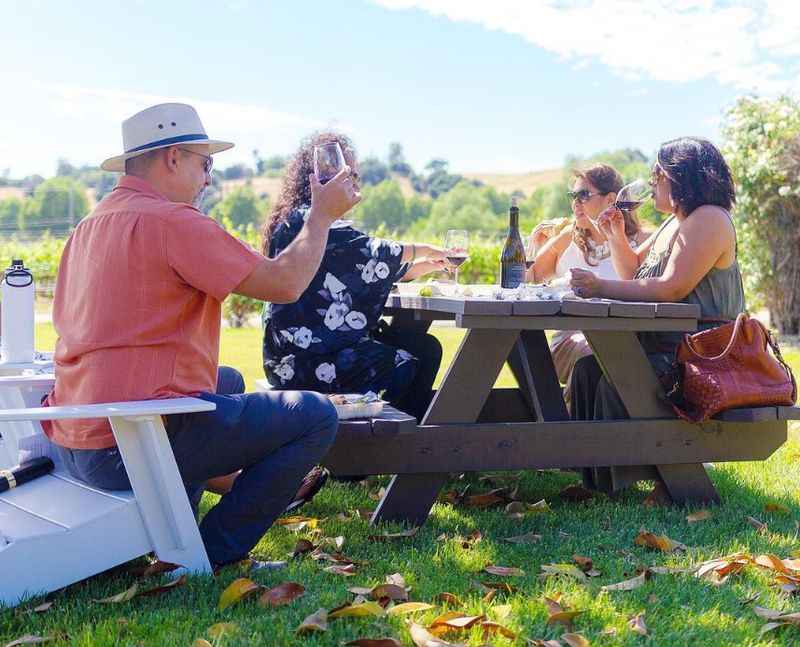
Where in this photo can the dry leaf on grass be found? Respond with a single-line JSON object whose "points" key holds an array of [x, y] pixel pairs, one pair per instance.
{"points": [[236, 591], [760, 526], [387, 536], [557, 613], [570, 570], [201, 642], [29, 639], [408, 607], [297, 523], [637, 624], [504, 571], [657, 542], [658, 497], [453, 621], [484, 500], [302, 547], [449, 598], [575, 640], [345, 570], [357, 611], [527, 538], [490, 628], [164, 588], [283, 594], [422, 638], [700, 515], [317, 621], [584, 563], [397, 579], [44, 606], [543, 643], [389, 592], [216, 631], [629, 585], [375, 642], [776, 507], [501, 611], [125, 596], [718, 570]]}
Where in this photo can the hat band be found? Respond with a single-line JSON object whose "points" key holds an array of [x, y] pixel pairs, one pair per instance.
{"points": [[169, 140]]}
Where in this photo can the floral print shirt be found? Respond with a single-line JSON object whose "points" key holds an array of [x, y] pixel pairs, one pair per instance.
{"points": [[315, 341]]}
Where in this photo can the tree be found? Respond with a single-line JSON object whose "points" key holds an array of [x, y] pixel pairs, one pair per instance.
{"points": [[241, 207], [57, 205], [12, 216], [64, 168], [397, 160], [464, 207], [382, 204], [763, 150], [237, 172], [373, 171]]}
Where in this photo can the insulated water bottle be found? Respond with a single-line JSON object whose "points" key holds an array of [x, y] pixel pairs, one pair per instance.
{"points": [[17, 318]]}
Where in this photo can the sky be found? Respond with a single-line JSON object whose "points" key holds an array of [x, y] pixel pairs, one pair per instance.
{"points": [[505, 86]]}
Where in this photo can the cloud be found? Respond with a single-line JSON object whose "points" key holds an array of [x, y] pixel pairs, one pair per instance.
{"points": [[82, 124], [748, 45]]}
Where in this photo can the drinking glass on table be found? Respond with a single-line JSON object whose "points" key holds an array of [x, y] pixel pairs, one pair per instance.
{"points": [[328, 161], [456, 242]]}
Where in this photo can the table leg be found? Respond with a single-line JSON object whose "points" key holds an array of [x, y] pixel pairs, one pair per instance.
{"points": [[532, 365], [627, 368], [460, 399]]}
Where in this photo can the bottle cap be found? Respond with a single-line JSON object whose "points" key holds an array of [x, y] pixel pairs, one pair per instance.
{"points": [[514, 201], [17, 262]]}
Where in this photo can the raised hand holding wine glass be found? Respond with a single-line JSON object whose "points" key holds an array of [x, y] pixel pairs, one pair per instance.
{"points": [[456, 242], [630, 197], [328, 161]]}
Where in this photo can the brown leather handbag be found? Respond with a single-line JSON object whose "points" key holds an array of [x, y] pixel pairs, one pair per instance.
{"points": [[730, 367]]}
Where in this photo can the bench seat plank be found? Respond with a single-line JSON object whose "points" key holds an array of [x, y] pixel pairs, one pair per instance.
{"points": [[789, 413], [757, 414], [167, 406]]}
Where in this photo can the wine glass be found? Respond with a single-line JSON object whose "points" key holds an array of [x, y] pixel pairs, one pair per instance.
{"points": [[328, 161], [456, 242], [632, 195]]}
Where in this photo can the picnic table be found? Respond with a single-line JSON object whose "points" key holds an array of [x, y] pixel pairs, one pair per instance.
{"points": [[471, 426]]}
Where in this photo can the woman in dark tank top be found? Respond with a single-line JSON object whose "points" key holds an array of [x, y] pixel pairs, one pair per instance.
{"points": [[691, 259]]}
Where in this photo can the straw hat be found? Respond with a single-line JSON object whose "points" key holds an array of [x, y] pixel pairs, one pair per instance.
{"points": [[165, 124]]}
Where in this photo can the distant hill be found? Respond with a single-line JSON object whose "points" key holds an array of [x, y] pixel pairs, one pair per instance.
{"points": [[503, 182]]}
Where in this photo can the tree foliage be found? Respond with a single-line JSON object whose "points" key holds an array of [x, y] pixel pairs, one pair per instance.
{"points": [[241, 207], [763, 150]]}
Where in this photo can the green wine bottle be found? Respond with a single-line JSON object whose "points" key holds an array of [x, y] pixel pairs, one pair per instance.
{"points": [[512, 258]]}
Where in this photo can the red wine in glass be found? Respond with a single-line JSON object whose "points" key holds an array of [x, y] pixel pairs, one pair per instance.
{"points": [[457, 261], [633, 195], [628, 205], [328, 161]]}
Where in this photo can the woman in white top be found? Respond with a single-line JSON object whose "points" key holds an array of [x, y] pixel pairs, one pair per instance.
{"points": [[580, 245]]}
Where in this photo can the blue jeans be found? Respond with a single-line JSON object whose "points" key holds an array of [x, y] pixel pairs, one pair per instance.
{"points": [[274, 438]]}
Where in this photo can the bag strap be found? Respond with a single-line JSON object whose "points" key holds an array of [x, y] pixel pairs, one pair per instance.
{"points": [[737, 327], [777, 352]]}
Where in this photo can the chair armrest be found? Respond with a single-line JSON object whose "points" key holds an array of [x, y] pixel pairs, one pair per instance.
{"points": [[110, 410]]}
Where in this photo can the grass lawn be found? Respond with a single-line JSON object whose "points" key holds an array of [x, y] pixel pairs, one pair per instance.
{"points": [[678, 609]]}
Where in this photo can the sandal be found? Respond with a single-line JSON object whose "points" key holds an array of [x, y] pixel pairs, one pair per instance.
{"points": [[312, 483]]}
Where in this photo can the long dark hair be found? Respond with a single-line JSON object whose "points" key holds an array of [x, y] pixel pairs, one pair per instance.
{"points": [[606, 180], [296, 189], [698, 174]]}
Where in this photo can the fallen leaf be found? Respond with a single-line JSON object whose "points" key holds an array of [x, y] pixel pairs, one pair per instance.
{"points": [[473, 538], [296, 524], [449, 598], [375, 642], [760, 526], [504, 571], [750, 599], [489, 628], [544, 643], [357, 611], [503, 587], [236, 591], [770, 626], [563, 618], [628, 585], [658, 497], [576, 494], [280, 595], [700, 515], [720, 568], [390, 591], [657, 542], [44, 606], [776, 507], [125, 596], [553, 604], [387, 536], [169, 586], [29, 639], [527, 538], [397, 579], [637, 624], [771, 614], [501, 611], [302, 547], [453, 620], [345, 570], [360, 590], [483, 500], [539, 507], [202, 642], [408, 607], [317, 621], [421, 637], [220, 629], [584, 563], [575, 640], [564, 569]]}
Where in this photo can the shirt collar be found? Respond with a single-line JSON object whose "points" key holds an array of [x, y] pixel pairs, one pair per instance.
{"points": [[133, 183]]}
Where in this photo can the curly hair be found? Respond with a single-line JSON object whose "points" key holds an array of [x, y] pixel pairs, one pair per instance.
{"points": [[296, 189], [606, 180], [698, 174]]}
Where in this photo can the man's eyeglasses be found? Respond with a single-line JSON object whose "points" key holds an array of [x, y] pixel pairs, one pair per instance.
{"points": [[208, 164], [582, 195]]}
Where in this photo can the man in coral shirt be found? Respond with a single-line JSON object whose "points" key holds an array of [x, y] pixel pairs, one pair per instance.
{"points": [[137, 311]]}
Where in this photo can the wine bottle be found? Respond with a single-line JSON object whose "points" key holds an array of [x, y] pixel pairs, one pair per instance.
{"points": [[512, 258], [24, 472]]}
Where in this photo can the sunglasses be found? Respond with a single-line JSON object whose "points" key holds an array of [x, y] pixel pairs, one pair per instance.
{"points": [[208, 163], [583, 195]]}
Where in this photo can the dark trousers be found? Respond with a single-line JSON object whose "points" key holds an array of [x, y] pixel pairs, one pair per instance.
{"points": [[428, 351], [275, 438]]}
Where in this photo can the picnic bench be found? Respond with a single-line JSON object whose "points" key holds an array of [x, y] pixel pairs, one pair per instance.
{"points": [[471, 426]]}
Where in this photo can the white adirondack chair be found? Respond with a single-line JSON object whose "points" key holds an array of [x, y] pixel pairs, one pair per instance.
{"points": [[56, 530]]}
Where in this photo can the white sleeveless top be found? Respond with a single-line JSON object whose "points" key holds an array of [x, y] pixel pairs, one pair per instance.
{"points": [[573, 257]]}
